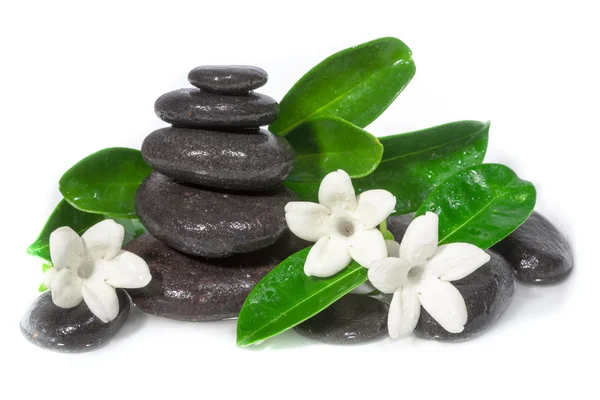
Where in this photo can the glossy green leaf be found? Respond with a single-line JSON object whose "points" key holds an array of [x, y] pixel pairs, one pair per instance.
{"points": [[63, 215], [105, 182], [481, 205], [415, 163], [286, 297], [326, 144], [356, 84]]}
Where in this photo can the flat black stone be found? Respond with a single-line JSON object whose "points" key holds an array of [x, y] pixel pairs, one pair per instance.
{"points": [[210, 223], [224, 160], [352, 319], [195, 108], [398, 225], [191, 288], [70, 329], [537, 251], [487, 292], [228, 79]]}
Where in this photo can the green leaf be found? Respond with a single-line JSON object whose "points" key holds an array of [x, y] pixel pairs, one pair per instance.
{"points": [[42, 288], [415, 163], [133, 228], [326, 144], [46, 267], [306, 191], [481, 205], [105, 182], [63, 215], [356, 84], [286, 297]]}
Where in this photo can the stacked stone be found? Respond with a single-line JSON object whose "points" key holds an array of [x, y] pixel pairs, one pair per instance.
{"points": [[214, 205]]}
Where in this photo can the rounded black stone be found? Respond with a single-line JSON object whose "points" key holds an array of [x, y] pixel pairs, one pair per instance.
{"points": [[228, 79], [537, 252], [352, 319], [224, 160], [398, 225], [211, 223], [487, 292], [195, 108], [70, 329], [192, 288]]}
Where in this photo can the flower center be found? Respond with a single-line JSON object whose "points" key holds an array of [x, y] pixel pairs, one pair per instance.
{"points": [[415, 274], [86, 270], [345, 228]]}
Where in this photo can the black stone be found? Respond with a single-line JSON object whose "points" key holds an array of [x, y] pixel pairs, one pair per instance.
{"points": [[487, 292], [192, 288], [398, 225], [211, 223], [70, 329], [228, 79], [195, 108], [537, 251], [225, 160], [352, 319]]}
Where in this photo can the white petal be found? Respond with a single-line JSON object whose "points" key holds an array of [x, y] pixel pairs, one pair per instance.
{"points": [[327, 257], [393, 248], [367, 246], [456, 260], [49, 276], [66, 248], [309, 221], [66, 289], [444, 303], [388, 274], [420, 240], [125, 270], [104, 240], [374, 206], [336, 191], [101, 299], [404, 313], [365, 288]]}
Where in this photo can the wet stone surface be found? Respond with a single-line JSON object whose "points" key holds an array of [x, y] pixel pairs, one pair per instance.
{"points": [[487, 293], [211, 223], [199, 109], [228, 79], [191, 288], [70, 329], [352, 319], [224, 160], [537, 251]]}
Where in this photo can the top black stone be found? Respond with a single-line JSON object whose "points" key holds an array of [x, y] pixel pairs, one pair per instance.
{"points": [[228, 79]]}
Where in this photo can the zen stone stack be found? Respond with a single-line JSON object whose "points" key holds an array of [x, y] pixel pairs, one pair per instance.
{"points": [[215, 195]]}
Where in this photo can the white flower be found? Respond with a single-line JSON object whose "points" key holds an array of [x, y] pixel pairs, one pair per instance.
{"points": [[421, 276], [343, 225], [91, 267]]}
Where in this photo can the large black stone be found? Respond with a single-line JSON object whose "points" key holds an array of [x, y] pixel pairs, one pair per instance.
{"points": [[353, 319], [537, 251], [211, 223], [191, 288], [487, 292], [195, 108], [228, 79], [225, 160], [398, 225], [70, 329]]}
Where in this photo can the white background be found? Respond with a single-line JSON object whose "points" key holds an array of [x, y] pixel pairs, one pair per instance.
{"points": [[78, 77]]}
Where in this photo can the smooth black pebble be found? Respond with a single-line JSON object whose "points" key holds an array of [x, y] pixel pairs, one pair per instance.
{"points": [[209, 223], [191, 288], [223, 160], [228, 79], [487, 293], [537, 251], [70, 329], [352, 319], [199, 109]]}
